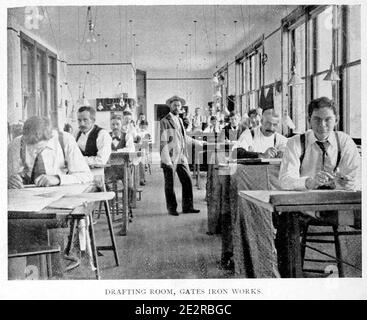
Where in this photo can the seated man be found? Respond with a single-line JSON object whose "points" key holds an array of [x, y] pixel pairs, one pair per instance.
{"points": [[197, 121], [121, 139], [231, 132], [213, 126], [93, 141], [263, 141], [321, 158], [45, 157], [254, 118], [143, 131]]}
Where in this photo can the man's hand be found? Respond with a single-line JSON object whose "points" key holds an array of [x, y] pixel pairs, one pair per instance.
{"points": [[15, 182], [321, 178], [270, 153], [46, 180], [279, 154], [345, 181]]}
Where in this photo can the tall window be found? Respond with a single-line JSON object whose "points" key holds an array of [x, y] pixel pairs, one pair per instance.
{"points": [[39, 84], [318, 37], [251, 68]]}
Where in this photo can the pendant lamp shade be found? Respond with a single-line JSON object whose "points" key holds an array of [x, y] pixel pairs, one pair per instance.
{"points": [[295, 78], [332, 75], [83, 101]]}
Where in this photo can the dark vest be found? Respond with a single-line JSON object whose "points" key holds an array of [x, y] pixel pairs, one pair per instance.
{"points": [[91, 145], [122, 142]]}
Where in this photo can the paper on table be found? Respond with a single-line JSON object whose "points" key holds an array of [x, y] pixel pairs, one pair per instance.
{"points": [[74, 201], [19, 201]]}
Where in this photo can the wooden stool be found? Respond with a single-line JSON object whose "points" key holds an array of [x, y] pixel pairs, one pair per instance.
{"points": [[309, 237], [36, 251]]}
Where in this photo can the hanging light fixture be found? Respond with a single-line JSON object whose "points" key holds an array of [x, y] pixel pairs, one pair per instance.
{"points": [[295, 79], [100, 106], [92, 36], [83, 101], [332, 75]]}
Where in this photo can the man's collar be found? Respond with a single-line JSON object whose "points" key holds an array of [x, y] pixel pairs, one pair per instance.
{"points": [[312, 138], [259, 128], [89, 131]]}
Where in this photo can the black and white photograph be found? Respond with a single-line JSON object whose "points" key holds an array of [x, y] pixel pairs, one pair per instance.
{"points": [[192, 150]]}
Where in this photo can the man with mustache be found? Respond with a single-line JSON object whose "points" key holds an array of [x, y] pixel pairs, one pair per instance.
{"points": [[93, 141], [262, 141]]}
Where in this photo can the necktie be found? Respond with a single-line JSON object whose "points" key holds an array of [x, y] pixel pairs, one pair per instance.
{"points": [[323, 145], [38, 167]]}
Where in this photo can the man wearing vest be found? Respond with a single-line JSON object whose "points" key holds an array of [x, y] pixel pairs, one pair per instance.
{"points": [[263, 141], [121, 139], [232, 130], [173, 148], [93, 141], [325, 159]]}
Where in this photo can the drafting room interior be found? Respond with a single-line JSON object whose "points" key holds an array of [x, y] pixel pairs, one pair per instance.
{"points": [[228, 58]]}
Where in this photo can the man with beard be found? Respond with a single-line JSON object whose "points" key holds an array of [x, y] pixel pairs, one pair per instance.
{"points": [[262, 141]]}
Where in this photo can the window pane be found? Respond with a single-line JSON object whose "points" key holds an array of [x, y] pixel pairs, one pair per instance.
{"points": [[322, 88], [272, 66], [354, 32], [299, 108], [353, 103], [324, 39], [299, 42]]}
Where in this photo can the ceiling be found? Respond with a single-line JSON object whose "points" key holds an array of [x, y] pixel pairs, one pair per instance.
{"points": [[160, 39]]}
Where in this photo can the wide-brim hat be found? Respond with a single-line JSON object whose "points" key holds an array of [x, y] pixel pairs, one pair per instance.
{"points": [[175, 98]]}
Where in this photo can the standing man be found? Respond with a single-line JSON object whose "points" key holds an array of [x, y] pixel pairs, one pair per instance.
{"points": [[173, 148], [93, 141]]}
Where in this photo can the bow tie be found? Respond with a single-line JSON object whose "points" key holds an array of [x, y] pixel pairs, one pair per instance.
{"points": [[116, 138]]}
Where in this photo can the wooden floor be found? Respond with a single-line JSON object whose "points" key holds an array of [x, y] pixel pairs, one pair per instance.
{"points": [[160, 246]]}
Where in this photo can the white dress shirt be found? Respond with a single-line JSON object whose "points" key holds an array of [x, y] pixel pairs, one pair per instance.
{"points": [[103, 142], [260, 143], [292, 179], [77, 170]]}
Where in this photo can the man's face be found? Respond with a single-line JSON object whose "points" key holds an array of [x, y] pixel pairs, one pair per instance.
{"points": [[323, 122], [212, 111], [254, 120], [234, 121], [269, 125], [85, 122], [127, 119], [197, 111], [116, 126], [175, 107], [213, 122]]}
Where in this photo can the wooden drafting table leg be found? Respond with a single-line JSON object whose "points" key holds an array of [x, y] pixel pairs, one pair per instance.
{"points": [[125, 209], [71, 236], [135, 180], [93, 244], [110, 227], [288, 245]]}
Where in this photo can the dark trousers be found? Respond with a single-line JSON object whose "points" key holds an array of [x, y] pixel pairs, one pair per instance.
{"points": [[183, 173]]}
